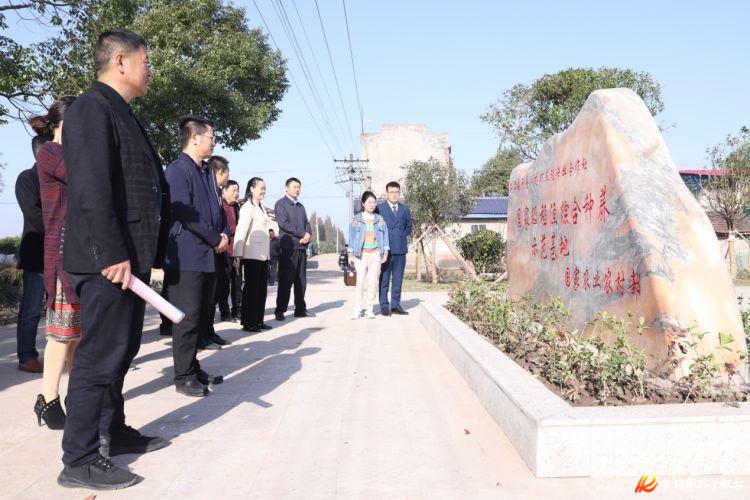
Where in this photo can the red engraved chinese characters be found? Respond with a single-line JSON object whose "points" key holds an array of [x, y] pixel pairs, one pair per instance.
{"points": [[635, 283], [603, 210]]}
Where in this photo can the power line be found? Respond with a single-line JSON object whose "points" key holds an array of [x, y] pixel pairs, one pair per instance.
{"points": [[354, 71], [292, 37], [320, 72], [291, 75], [333, 68]]}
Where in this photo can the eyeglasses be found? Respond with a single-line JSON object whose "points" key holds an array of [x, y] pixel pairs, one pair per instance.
{"points": [[212, 138]]}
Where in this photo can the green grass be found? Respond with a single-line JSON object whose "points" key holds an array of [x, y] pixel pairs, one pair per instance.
{"points": [[410, 284]]}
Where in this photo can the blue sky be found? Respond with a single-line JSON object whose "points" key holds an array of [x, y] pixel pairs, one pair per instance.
{"points": [[443, 63]]}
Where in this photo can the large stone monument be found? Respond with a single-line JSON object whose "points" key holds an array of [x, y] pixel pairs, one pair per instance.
{"points": [[603, 220]]}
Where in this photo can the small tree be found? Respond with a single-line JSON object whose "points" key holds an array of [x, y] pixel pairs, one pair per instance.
{"points": [[437, 195], [484, 248], [527, 115], [328, 230], [728, 194]]}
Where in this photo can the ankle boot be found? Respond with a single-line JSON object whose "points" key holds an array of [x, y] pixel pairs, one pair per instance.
{"points": [[52, 412]]}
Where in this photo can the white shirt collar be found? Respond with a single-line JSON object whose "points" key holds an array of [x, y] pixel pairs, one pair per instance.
{"points": [[292, 199], [393, 205]]}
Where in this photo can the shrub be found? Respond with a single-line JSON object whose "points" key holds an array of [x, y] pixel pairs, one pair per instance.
{"points": [[484, 248], [534, 334], [743, 274], [11, 281], [9, 245]]}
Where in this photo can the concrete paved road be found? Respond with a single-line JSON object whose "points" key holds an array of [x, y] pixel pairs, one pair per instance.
{"points": [[322, 407]]}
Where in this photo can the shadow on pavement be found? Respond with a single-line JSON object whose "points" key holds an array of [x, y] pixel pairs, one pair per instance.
{"points": [[272, 363]]}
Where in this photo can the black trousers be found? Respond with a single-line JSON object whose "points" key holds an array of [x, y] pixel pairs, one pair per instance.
{"points": [[273, 270], [166, 324], [112, 322], [193, 293], [254, 292], [292, 271], [228, 286], [207, 331]]}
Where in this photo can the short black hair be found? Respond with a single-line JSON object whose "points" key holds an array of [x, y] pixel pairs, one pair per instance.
{"points": [[231, 183], [218, 163], [366, 195], [190, 125], [111, 41], [392, 184], [292, 179]]}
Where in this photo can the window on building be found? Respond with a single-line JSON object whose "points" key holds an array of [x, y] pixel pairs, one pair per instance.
{"points": [[477, 227]]}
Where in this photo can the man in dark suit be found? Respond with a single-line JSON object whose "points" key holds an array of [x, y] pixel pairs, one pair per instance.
{"points": [[294, 236], [398, 219], [31, 260], [197, 235], [117, 221]]}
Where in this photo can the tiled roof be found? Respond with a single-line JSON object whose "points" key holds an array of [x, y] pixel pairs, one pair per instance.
{"points": [[743, 226], [489, 205]]}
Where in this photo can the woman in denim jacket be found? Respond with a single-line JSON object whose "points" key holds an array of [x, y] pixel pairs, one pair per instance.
{"points": [[368, 249]]}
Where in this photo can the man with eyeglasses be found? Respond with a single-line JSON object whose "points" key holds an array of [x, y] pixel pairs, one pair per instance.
{"points": [[198, 233], [398, 219]]}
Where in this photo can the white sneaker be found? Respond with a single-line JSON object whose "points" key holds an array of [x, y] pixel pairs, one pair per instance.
{"points": [[369, 314], [356, 314]]}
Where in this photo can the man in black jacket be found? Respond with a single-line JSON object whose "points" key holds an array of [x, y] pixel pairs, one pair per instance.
{"points": [[31, 260], [294, 236], [117, 222]]}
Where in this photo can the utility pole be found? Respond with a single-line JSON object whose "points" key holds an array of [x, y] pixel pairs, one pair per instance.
{"points": [[350, 172]]}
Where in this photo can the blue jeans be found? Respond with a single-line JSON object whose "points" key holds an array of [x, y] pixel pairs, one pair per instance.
{"points": [[28, 315]]}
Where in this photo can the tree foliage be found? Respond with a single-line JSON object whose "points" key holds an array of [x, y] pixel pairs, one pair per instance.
{"points": [[206, 61], [493, 177], [23, 89], [527, 115], [435, 193]]}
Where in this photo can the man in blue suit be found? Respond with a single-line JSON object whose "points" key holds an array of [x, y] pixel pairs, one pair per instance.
{"points": [[398, 219]]}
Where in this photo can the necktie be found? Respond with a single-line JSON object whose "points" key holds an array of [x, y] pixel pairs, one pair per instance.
{"points": [[394, 209]]}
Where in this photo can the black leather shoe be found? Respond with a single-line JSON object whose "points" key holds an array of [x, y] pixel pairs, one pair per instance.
{"points": [[129, 440], [192, 388], [99, 474], [384, 311], [304, 314], [219, 340], [208, 344], [264, 326], [251, 328], [398, 310], [279, 316], [206, 379]]}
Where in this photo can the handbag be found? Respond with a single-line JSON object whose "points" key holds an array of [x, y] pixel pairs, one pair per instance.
{"points": [[350, 276]]}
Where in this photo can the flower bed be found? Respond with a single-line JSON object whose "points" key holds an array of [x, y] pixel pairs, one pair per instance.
{"points": [[585, 369]]}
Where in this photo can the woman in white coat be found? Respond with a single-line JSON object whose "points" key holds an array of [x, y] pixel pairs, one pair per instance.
{"points": [[251, 250]]}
